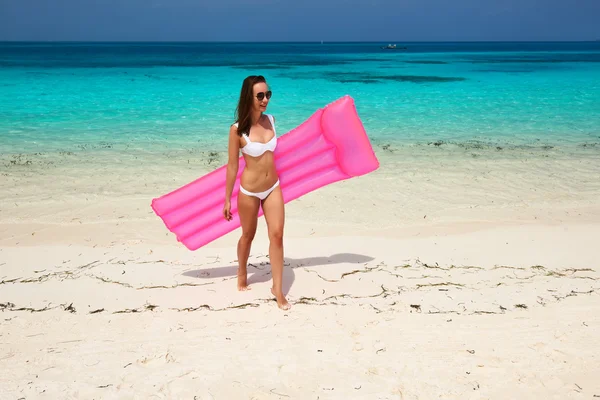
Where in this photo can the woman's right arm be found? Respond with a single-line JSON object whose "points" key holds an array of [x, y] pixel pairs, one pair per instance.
{"points": [[232, 162]]}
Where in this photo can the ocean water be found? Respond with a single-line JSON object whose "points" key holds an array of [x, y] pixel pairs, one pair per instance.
{"points": [[148, 97], [466, 133]]}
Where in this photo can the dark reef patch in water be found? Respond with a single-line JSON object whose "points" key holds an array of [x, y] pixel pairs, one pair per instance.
{"points": [[316, 62], [431, 62], [367, 59], [344, 77], [359, 81], [507, 71], [265, 67], [424, 78]]}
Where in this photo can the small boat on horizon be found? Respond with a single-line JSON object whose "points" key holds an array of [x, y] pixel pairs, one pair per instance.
{"points": [[392, 47]]}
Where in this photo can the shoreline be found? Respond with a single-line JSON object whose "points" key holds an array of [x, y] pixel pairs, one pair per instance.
{"points": [[498, 144], [407, 194]]}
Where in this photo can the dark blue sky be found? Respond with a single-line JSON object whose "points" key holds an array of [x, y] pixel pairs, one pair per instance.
{"points": [[299, 20]]}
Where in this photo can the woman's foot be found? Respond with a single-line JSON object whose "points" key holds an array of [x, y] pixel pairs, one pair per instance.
{"points": [[242, 281], [281, 301]]}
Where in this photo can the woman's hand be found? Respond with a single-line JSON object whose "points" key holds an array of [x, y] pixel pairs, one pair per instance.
{"points": [[227, 211]]}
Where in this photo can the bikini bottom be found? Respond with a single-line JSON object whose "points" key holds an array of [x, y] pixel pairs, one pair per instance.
{"points": [[260, 195]]}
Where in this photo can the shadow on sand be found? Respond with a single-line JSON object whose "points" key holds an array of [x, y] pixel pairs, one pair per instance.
{"points": [[261, 272]]}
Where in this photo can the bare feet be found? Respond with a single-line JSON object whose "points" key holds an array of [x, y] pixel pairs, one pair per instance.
{"points": [[242, 276], [281, 301]]}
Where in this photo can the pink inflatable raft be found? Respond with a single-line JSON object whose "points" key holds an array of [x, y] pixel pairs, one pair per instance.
{"points": [[330, 146]]}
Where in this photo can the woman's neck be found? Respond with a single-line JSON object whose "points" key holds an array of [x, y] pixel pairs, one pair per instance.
{"points": [[255, 116]]}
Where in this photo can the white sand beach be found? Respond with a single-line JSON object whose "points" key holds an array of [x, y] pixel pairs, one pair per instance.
{"points": [[430, 278]]}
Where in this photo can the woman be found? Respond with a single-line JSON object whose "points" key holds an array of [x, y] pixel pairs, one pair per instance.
{"points": [[254, 134]]}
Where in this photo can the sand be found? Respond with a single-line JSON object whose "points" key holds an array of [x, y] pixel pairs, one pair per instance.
{"points": [[435, 278]]}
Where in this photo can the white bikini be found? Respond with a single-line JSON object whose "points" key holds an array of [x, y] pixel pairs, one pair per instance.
{"points": [[257, 149]]}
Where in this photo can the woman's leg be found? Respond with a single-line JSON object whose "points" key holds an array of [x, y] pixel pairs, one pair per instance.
{"points": [[248, 211], [275, 215]]}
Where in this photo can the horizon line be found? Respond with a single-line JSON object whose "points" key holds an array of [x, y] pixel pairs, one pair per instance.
{"points": [[300, 41]]}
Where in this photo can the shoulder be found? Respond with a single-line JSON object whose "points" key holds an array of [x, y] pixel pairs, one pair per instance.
{"points": [[233, 129], [271, 116]]}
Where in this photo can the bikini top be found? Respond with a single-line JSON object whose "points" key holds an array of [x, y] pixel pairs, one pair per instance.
{"points": [[256, 149]]}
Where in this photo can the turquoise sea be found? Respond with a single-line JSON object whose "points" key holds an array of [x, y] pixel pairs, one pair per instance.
{"points": [[57, 97]]}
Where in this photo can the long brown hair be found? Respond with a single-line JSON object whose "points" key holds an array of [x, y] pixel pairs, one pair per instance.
{"points": [[243, 111]]}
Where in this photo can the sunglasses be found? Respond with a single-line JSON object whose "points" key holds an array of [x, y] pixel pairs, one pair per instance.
{"points": [[261, 95]]}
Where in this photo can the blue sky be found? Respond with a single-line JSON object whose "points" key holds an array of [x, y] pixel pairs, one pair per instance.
{"points": [[299, 20]]}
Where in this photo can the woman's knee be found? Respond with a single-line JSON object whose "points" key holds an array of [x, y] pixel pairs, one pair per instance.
{"points": [[276, 236], [248, 236]]}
